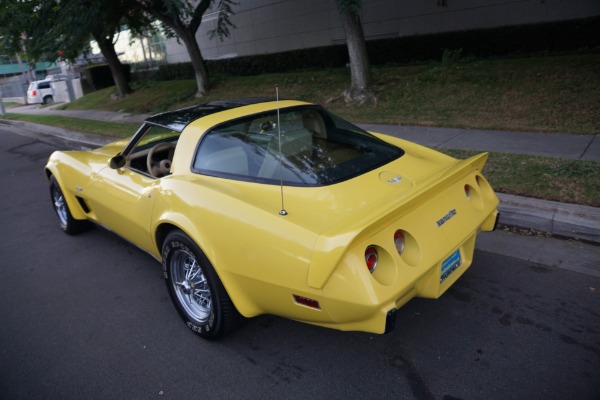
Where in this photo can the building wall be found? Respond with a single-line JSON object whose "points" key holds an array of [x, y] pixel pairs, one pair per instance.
{"points": [[271, 26]]}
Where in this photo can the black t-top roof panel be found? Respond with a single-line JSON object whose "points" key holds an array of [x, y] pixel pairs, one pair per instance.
{"points": [[177, 120]]}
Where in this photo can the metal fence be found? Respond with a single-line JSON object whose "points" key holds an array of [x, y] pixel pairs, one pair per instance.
{"points": [[13, 89]]}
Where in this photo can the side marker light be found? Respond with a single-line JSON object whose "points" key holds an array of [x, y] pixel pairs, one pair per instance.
{"points": [[305, 301]]}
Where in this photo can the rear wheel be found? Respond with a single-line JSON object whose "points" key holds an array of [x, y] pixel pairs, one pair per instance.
{"points": [[68, 224], [196, 289], [48, 100]]}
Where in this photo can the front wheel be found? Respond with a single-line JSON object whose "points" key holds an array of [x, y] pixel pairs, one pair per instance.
{"points": [[68, 224], [196, 290]]}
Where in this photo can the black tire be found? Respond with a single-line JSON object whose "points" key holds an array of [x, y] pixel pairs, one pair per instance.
{"points": [[68, 224], [196, 290], [48, 100]]}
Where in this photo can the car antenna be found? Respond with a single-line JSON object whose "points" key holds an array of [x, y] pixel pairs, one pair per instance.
{"points": [[282, 212]]}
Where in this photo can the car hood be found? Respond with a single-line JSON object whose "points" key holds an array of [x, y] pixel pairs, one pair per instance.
{"points": [[111, 149]]}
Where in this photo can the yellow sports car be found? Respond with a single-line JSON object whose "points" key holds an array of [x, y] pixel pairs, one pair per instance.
{"points": [[256, 206]]}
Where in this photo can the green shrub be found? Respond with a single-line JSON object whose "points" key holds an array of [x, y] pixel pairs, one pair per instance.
{"points": [[177, 71]]}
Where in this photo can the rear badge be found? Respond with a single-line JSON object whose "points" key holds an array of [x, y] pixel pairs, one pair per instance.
{"points": [[446, 217], [393, 178], [397, 179]]}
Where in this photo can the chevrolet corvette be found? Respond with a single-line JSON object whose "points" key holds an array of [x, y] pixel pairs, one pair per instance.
{"points": [[256, 206]]}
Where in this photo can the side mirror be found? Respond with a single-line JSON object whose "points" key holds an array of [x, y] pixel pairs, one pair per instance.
{"points": [[118, 161]]}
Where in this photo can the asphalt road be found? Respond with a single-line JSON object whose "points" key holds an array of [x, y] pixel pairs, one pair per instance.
{"points": [[88, 317]]}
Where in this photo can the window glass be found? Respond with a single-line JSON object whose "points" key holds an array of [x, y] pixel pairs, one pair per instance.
{"points": [[158, 145], [154, 135], [304, 146]]}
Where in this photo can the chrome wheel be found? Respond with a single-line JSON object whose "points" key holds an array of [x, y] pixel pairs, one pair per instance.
{"points": [[60, 205], [190, 285], [68, 224], [195, 288]]}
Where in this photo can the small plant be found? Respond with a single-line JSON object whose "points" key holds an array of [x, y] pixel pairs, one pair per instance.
{"points": [[450, 56]]}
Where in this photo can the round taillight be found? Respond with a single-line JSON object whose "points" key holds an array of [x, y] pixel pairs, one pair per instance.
{"points": [[371, 258], [468, 191], [399, 241]]}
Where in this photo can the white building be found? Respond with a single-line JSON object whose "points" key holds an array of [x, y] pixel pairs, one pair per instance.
{"points": [[271, 26]]}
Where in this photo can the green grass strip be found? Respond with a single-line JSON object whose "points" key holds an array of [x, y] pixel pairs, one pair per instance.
{"points": [[546, 93], [112, 129], [548, 178]]}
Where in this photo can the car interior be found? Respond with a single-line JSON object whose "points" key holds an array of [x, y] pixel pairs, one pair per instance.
{"points": [[298, 147], [258, 150], [153, 154]]}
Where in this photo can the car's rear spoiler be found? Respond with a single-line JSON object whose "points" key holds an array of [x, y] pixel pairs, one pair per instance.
{"points": [[331, 245]]}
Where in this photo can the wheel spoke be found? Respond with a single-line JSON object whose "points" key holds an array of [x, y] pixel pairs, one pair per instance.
{"points": [[203, 300], [190, 265], [198, 270], [201, 281]]}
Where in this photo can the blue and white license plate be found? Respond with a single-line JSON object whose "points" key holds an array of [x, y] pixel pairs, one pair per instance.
{"points": [[449, 265]]}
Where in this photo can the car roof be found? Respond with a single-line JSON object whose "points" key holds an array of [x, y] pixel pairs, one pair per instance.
{"points": [[38, 82], [177, 120]]}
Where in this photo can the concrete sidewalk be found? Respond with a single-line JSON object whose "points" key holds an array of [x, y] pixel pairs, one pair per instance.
{"points": [[568, 220], [562, 145], [569, 146]]}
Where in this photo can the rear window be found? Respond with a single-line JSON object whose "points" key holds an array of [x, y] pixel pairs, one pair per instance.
{"points": [[44, 85], [316, 148]]}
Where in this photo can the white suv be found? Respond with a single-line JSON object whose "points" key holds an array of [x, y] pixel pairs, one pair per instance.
{"points": [[40, 92]]}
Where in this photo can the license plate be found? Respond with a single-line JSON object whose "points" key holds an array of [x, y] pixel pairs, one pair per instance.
{"points": [[449, 265]]}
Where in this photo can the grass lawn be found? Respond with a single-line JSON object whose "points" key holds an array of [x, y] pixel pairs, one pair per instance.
{"points": [[567, 181], [552, 94], [10, 104], [113, 129]]}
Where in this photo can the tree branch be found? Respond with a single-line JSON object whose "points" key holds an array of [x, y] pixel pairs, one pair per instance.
{"points": [[198, 13]]}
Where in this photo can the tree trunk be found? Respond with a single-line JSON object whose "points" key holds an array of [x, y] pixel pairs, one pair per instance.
{"points": [[116, 68], [360, 85], [200, 71]]}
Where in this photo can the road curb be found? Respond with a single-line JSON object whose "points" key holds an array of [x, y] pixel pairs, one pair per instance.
{"points": [[566, 220], [79, 137]]}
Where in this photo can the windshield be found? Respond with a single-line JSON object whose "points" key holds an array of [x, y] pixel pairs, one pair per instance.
{"points": [[154, 135], [305, 146]]}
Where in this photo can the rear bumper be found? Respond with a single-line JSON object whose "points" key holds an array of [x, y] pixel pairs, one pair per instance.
{"points": [[372, 305], [491, 222]]}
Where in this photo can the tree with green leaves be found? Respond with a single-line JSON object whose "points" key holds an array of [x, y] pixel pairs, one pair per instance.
{"points": [[182, 18], [47, 27], [360, 90], [15, 20], [74, 22]]}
